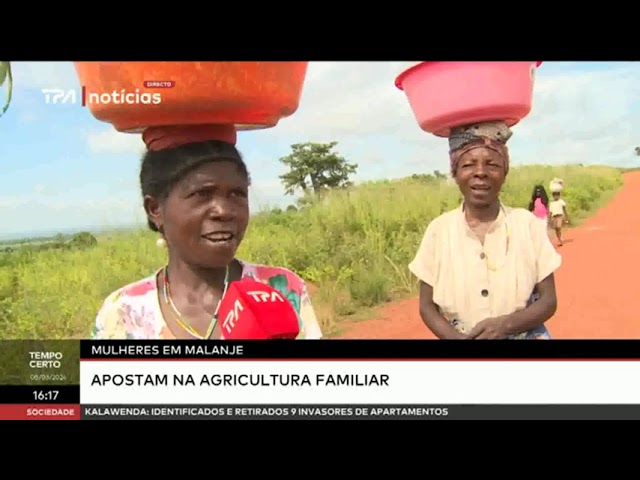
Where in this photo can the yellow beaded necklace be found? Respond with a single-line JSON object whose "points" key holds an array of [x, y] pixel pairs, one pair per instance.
{"points": [[489, 264], [179, 318]]}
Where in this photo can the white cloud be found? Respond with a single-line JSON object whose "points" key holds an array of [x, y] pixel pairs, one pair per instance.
{"points": [[10, 202], [586, 116], [578, 116], [268, 194], [582, 117], [109, 140], [37, 75], [26, 118], [40, 214], [349, 99]]}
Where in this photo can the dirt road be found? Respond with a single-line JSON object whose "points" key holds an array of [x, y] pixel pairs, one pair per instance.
{"points": [[598, 291]]}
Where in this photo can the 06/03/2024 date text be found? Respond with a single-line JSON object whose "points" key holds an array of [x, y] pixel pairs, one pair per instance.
{"points": [[47, 377]]}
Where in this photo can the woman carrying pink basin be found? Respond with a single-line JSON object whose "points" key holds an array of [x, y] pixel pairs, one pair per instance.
{"points": [[486, 269]]}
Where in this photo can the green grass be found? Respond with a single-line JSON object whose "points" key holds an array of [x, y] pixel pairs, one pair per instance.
{"points": [[354, 248]]}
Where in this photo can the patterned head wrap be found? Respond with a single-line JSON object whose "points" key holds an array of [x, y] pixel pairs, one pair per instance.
{"points": [[493, 135]]}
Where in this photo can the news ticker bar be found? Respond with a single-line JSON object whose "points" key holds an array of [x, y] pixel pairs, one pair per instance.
{"points": [[358, 349], [319, 412], [360, 412]]}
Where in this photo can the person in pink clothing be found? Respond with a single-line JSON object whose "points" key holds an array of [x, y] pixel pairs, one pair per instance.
{"points": [[539, 206]]}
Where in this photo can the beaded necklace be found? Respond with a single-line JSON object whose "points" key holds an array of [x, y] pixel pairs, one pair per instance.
{"points": [[490, 265], [179, 319], [506, 252]]}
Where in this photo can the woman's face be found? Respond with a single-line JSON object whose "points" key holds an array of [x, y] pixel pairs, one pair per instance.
{"points": [[480, 176], [206, 214]]}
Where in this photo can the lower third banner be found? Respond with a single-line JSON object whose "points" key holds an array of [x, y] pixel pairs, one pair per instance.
{"points": [[359, 382]]}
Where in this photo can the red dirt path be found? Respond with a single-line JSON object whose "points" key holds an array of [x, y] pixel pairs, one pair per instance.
{"points": [[598, 296]]}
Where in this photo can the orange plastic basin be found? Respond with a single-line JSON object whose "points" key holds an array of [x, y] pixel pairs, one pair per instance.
{"points": [[250, 95]]}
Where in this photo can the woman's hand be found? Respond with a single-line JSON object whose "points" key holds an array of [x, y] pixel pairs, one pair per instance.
{"points": [[489, 329], [455, 335]]}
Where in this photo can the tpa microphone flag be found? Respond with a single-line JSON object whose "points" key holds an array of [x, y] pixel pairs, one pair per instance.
{"points": [[252, 310]]}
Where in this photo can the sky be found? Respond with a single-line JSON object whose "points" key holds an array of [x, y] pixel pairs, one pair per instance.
{"points": [[65, 171]]}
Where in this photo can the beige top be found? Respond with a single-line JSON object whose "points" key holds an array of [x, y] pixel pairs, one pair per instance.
{"points": [[472, 282], [556, 207]]}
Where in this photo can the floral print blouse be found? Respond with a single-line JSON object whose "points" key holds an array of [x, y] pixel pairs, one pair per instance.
{"points": [[133, 311]]}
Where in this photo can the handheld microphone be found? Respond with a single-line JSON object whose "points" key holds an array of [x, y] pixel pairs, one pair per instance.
{"points": [[253, 310]]}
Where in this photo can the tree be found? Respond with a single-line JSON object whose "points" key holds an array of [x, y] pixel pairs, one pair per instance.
{"points": [[638, 151], [83, 240], [317, 167], [5, 75]]}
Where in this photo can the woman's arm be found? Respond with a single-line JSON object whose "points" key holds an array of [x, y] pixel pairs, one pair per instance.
{"points": [[310, 324], [108, 324], [425, 266], [566, 214], [537, 313], [548, 260], [433, 319]]}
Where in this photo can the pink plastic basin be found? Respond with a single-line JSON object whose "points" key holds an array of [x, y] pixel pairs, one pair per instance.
{"points": [[443, 95]]}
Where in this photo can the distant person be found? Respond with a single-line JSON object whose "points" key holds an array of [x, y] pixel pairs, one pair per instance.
{"points": [[486, 270], [195, 189], [539, 206], [559, 215]]}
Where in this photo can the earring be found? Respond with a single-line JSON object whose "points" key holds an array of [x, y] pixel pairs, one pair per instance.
{"points": [[161, 242]]}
